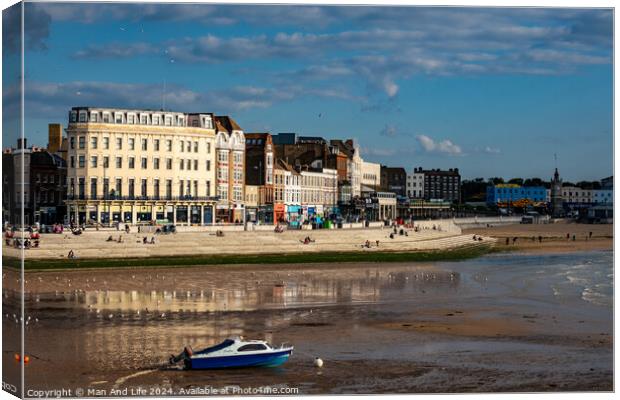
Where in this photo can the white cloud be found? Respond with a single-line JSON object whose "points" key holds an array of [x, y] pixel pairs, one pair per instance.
{"points": [[491, 150], [445, 146]]}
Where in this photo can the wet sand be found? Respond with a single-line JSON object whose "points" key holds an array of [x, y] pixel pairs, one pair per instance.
{"points": [[493, 324], [553, 237]]}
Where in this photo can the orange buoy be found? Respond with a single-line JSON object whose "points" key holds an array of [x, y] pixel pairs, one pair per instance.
{"points": [[26, 359], [17, 357]]}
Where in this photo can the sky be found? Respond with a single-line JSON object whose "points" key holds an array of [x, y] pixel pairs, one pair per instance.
{"points": [[491, 91]]}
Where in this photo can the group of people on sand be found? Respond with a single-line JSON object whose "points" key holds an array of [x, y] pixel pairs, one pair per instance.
{"points": [[278, 229], [477, 238], [146, 241], [368, 245], [540, 238]]}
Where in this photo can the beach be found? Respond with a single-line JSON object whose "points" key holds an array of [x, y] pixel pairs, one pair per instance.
{"points": [[487, 324], [495, 323]]}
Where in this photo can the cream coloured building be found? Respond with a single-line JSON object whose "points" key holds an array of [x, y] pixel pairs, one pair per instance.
{"points": [[370, 176], [138, 166], [319, 191], [230, 173]]}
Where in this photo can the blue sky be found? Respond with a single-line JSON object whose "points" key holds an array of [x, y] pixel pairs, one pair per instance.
{"points": [[492, 91]]}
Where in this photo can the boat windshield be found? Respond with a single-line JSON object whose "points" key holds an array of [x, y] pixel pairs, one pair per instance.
{"points": [[223, 345]]}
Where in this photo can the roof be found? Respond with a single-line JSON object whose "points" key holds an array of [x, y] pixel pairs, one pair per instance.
{"points": [[227, 123]]}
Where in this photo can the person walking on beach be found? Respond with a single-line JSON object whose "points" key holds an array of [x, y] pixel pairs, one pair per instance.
{"points": [[539, 239], [71, 255], [514, 240], [573, 238], [590, 235], [507, 241], [567, 236]]}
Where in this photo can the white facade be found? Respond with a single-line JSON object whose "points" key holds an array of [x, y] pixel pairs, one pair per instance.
{"points": [[415, 185], [573, 194], [371, 175], [319, 188], [354, 171]]}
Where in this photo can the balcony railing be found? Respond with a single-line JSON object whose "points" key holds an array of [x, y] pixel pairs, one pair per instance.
{"points": [[170, 198]]}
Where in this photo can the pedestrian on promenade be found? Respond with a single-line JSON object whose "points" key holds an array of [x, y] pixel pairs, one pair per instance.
{"points": [[573, 238], [567, 236], [507, 241], [539, 239], [514, 240], [377, 243], [71, 255], [590, 235]]}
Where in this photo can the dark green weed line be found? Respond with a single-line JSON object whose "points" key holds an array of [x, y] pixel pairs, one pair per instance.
{"points": [[456, 254]]}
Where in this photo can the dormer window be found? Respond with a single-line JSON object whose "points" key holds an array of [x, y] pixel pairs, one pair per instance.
{"points": [[82, 116], [72, 116], [94, 116], [155, 119], [118, 118], [144, 119], [106, 117], [168, 120], [181, 121], [131, 118]]}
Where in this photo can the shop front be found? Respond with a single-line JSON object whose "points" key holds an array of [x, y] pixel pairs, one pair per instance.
{"points": [[294, 215], [279, 213]]}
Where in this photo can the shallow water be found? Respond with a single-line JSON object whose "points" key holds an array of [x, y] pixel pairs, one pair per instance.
{"points": [[340, 313]]}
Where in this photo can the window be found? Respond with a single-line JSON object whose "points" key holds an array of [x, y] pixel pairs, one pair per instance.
{"points": [[143, 162], [93, 161], [144, 145], [208, 147], [189, 187], [119, 187], [72, 162], [195, 165], [119, 162], [143, 188], [182, 146], [208, 188], [195, 188], [72, 142], [155, 163], [132, 143], [106, 118], [119, 143], [118, 118], [132, 162], [168, 121], [143, 119], [188, 164], [168, 145], [195, 147], [93, 187], [156, 188], [83, 116], [81, 188], [93, 142], [82, 142], [81, 161], [189, 146], [181, 188], [169, 188], [106, 142], [73, 116], [168, 163], [181, 163], [208, 165], [252, 347], [106, 187], [106, 162], [131, 193], [155, 119], [130, 118], [156, 144]]}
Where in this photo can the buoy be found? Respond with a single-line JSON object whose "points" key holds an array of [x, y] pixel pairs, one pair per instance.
{"points": [[318, 362], [26, 359], [17, 357]]}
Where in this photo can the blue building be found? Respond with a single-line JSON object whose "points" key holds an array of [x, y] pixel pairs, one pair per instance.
{"points": [[603, 196], [504, 193]]}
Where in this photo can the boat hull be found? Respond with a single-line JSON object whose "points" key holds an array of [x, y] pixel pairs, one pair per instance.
{"points": [[239, 361]]}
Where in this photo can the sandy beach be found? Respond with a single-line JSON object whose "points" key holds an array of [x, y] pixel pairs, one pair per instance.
{"points": [[553, 237], [493, 323]]}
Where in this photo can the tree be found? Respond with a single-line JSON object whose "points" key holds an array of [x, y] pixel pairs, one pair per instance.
{"points": [[496, 181], [533, 182], [516, 181]]}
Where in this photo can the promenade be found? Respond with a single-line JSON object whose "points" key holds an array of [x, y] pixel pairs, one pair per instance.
{"points": [[94, 244]]}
